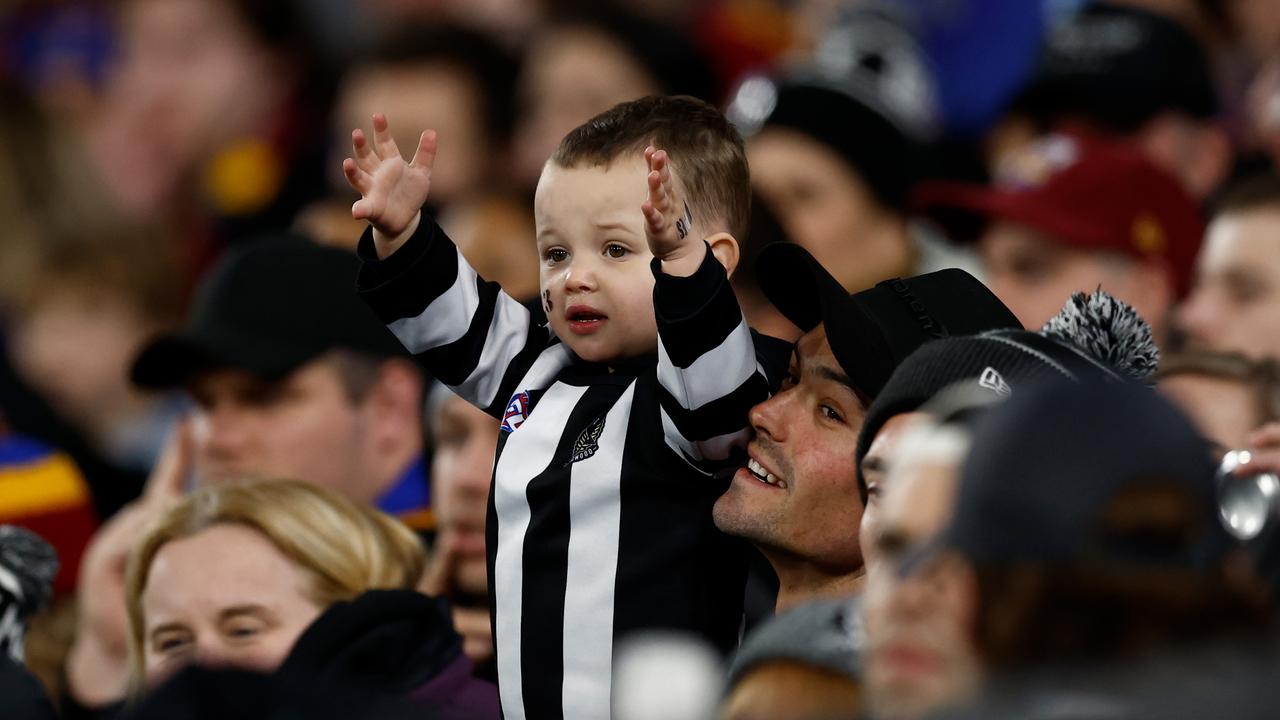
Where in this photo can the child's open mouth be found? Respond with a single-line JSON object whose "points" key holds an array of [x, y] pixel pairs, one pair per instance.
{"points": [[584, 320]]}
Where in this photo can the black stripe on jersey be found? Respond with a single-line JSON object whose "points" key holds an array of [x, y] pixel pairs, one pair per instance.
{"points": [[720, 416], [546, 561], [428, 254], [695, 314], [676, 570], [454, 362]]}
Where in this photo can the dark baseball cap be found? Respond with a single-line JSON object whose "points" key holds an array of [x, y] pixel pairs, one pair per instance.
{"points": [[866, 94], [1118, 67], [268, 308], [871, 331], [1046, 466]]}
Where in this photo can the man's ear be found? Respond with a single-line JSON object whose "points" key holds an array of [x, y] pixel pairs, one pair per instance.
{"points": [[725, 247]]}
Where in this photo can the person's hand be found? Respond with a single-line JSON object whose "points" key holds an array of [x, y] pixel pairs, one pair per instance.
{"points": [[1264, 451], [392, 190], [97, 667], [440, 580], [668, 223]]}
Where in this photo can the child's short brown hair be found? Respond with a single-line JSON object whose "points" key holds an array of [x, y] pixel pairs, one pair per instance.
{"points": [[705, 148]]}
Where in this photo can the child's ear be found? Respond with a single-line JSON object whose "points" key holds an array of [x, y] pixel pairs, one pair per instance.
{"points": [[725, 247]]}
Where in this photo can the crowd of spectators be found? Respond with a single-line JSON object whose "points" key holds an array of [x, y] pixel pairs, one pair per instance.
{"points": [[970, 407]]}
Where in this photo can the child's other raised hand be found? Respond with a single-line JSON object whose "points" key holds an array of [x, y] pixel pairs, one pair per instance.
{"points": [[668, 224], [392, 190]]}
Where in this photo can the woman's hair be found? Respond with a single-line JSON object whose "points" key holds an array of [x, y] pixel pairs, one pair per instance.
{"points": [[343, 549]]}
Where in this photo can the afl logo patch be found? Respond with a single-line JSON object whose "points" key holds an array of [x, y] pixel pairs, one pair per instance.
{"points": [[517, 412]]}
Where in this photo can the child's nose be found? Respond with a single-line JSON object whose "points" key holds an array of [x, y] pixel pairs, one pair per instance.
{"points": [[580, 277]]}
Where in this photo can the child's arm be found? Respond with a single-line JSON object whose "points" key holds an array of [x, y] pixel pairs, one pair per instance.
{"points": [[467, 332], [707, 366]]}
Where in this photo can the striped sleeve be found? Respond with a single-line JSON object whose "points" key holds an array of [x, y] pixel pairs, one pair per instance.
{"points": [[708, 373], [463, 329]]}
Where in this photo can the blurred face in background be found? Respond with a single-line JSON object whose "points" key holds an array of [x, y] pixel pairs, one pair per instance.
{"points": [[875, 471], [191, 78], [302, 427], [571, 74], [224, 596], [415, 97], [465, 439], [1034, 275], [1235, 304], [919, 655], [824, 205]]}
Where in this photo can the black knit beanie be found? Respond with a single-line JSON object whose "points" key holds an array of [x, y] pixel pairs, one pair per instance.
{"points": [[1095, 337]]}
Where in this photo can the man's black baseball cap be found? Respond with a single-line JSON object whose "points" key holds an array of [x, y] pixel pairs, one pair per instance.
{"points": [[871, 331], [268, 308]]}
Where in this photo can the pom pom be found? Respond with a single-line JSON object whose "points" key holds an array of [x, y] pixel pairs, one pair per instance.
{"points": [[1108, 331]]}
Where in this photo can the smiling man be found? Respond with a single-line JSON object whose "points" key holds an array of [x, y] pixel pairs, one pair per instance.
{"points": [[797, 497]]}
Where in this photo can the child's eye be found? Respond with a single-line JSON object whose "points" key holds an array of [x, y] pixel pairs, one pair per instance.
{"points": [[557, 255], [615, 251]]}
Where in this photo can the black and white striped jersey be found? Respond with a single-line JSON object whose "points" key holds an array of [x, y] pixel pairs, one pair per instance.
{"points": [[600, 511]]}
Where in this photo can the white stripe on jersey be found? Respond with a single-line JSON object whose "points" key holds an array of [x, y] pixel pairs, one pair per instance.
{"points": [[508, 332], [595, 517], [527, 453], [446, 319], [724, 367]]}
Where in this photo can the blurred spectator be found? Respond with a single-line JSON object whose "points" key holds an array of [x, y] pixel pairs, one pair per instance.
{"points": [[1135, 74], [449, 78], [1110, 550], [836, 146], [582, 63], [292, 380], [296, 380], [1228, 396], [805, 664], [919, 654], [464, 441], [1235, 303], [1093, 337], [213, 115], [78, 318], [278, 575], [796, 499], [1071, 214]]}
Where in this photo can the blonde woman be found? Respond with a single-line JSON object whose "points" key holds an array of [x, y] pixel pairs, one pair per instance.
{"points": [[267, 574]]}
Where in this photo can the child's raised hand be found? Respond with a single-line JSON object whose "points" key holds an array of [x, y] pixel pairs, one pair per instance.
{"points": [[392, 190], [668, 224]]}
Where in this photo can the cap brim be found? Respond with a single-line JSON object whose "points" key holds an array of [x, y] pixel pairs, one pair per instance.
{"points": [[807, 295], [797, 284], [941, 200], [172, 360]]}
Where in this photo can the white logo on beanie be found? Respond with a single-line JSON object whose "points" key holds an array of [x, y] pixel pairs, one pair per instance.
{"points": [[992, 380]]}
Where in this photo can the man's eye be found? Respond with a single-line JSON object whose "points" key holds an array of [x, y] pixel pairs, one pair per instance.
{"points": [[615, 251], [830, 413], [556, 255]]}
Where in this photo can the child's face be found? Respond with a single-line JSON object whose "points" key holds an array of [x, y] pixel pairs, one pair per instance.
{"points": [[597, 288]]}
